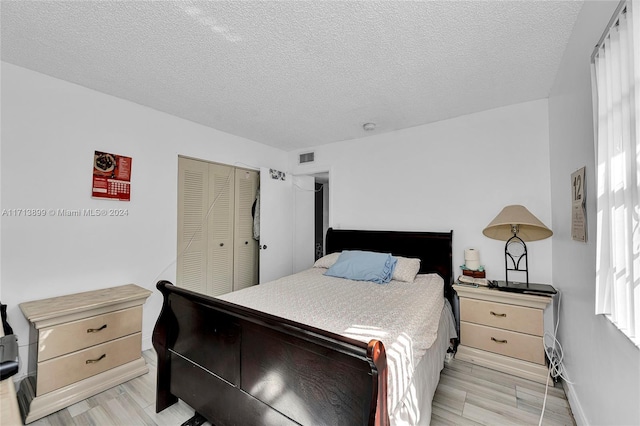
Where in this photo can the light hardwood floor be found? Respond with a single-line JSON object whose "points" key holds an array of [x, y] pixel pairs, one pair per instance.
{"points": [[470, 395], [466, 395]]}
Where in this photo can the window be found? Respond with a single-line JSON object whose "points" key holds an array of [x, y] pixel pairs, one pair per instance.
{"points": [[616, 70]]}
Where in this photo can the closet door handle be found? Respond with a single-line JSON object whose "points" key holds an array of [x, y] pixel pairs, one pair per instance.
{"points": [[221, 244], [246, 242]]}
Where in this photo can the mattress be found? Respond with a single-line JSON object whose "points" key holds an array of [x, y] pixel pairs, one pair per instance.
{"points": [[405, 317], [415, 406]]}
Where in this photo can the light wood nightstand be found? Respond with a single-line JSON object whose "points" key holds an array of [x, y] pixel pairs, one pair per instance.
{"points": [[81, 344], [503, 331]]}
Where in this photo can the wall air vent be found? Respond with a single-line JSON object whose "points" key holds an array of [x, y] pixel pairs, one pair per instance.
{"points": [[307, 157]]}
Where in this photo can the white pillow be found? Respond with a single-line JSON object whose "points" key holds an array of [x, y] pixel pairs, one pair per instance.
{"points": [[327, 261], [406, 269]]}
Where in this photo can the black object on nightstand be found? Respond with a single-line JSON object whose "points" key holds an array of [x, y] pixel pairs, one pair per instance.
{"points": [[528, 288]]}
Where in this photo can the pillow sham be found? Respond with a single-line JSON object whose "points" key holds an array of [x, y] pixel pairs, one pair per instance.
{"points": [[363, 266], [406, 269], [327, 261]]}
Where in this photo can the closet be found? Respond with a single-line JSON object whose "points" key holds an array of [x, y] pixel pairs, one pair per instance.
{"points": [[216, 251]]}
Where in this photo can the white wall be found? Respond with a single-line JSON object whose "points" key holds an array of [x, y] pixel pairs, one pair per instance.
{"points": [[50, 129], [455, 174], [602, 363]]}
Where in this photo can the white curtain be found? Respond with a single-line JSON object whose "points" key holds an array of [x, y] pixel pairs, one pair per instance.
{"points": [[617, 77]]}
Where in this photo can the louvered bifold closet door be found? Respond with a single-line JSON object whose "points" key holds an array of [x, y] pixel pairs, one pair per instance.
{"points": [[193, 183], [221, 188], [245, 272]]}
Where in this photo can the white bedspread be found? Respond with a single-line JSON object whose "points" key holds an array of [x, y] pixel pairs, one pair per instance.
{"points": [[404, 316]]}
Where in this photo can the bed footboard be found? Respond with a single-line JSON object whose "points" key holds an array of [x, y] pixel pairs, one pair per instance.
{"points": [[238, 366]]}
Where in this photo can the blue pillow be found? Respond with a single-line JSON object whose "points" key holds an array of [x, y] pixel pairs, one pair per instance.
{"points": [[363, 266]]}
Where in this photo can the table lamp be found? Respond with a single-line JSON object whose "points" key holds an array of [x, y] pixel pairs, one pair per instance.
{"points": [[515, 225]]}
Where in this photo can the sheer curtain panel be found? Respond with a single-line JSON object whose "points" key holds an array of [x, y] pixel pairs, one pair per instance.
{"points": [[616, 67]]}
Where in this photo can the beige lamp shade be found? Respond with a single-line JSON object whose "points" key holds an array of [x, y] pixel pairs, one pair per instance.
{"points": [[529, 227]]}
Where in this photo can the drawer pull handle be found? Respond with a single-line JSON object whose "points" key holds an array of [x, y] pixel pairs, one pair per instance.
{"points": [[498, 340], [93, 361], [95, 330], [498, 315]]}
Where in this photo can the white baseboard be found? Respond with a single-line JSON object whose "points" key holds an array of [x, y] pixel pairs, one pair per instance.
{"points": [[574, 403]]}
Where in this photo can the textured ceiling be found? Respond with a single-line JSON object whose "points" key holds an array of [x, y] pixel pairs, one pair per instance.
{"points": [[295, 74]]}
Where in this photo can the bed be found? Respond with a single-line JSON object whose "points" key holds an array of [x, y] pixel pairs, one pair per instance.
{"points": [[237, 360]]}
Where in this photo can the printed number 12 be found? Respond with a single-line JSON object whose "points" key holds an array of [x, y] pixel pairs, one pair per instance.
{"points": [[577, 188]]}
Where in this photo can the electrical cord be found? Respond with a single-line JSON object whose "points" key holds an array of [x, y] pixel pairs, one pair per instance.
{"points": [[309, 190], [544, 402], [555, 355]]}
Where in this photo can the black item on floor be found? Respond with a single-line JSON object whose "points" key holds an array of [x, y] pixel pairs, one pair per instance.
{"points": [[5, 325], [9, 364]]}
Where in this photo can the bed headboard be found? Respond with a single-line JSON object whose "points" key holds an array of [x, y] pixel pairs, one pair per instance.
{"points": [[432, 248]]}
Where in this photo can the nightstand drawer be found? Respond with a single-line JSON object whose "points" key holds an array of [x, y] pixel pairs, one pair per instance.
{"points": [[501, 315], [67, 369], [70, 337], [504, 342]]}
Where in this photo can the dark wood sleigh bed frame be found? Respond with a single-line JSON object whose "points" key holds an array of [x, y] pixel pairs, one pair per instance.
{"points": [[239, 366]]}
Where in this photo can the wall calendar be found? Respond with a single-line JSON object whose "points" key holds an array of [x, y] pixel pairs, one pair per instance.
{"points": [[111, 176], [578, 206]]}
